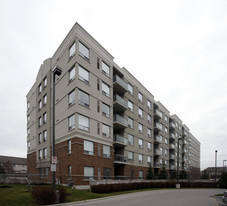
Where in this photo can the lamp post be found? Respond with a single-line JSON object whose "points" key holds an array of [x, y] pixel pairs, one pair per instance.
{"points": [[216, 165], [57, 71], [224, 165], [178, 157]]}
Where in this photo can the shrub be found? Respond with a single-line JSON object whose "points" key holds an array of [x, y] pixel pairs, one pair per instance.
{"points": [[44, 195], [223, 180], [62, 194]]}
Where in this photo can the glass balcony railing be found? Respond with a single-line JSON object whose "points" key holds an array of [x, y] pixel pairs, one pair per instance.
{"points": [[120, 119], [158, 113], [120, 100], [171, 146], [120, 81], [157, 138], [157, 151], [120, 139], [158, 126], [120, 158], [172, 135]]}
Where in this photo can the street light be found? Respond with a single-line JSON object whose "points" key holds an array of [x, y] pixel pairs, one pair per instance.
{"points": [[216, 165], [57, 71], [178, 157], [223, 165]]}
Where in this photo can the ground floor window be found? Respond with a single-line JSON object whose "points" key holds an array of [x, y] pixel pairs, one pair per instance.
{"points": [[140, 174], [88, 173], [106, 173]]}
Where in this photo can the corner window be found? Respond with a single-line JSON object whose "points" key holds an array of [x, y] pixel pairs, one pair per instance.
{"points": [[83, 74], [71, 122], [72, 50], [105, 69], [83, 122], [72, 73], [84, 51]]}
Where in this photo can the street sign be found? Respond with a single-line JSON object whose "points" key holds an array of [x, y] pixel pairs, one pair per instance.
{"points": [[53, 167], [54, 160]]}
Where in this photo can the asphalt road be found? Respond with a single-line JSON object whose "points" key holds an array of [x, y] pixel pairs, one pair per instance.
{"points": [[181, 197]]}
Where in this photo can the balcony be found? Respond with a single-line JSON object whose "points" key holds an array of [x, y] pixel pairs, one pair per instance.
{"points": [[119, 122], [157, 165], [157, 114], [172, 135], [171, 146], [184, 151], [119, 85], [172, 125], [157, 126], [171, 156], [120, 104], [157, 139], [172, 167], [157, 152], [184, 142], [120, 159], [120, 140]]}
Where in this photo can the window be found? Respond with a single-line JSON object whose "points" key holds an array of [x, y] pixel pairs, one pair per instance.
{"points": [[40, 88], [45, 153], [130, 122], [71, 98], [141, 174], [40, 121], [72, 50], [44, 118], [140, 96], [148, 159], [105, 69], [69, 171], [45, 135], [130, 156], [166, 141], [105, 89], [72, 73], [166, 119], [140, 111], [106, 151], [148, 104], [166, 130], [28, 131], [71, 122], [149, 132], [40, 104], [88, 173], [161, 150], [40, 137], [69, 146], [40, 154], [140, 128], [105, 110], [98, 106], [140, 141], [83, 51], [84, 98], [28, 145], [166, 152], [28, 118], [106, 173], [140, 156], [83, 74], [44, 99], [28, 105], [97, 62], [149, 146], [98, 85], [88, 147], [44, 82], [149, 118], [130, 89], [130, 105], [105, 130], [83, 122], [130, 139]]}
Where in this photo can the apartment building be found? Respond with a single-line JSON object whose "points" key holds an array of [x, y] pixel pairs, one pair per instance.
{"points": [[107, 123]]}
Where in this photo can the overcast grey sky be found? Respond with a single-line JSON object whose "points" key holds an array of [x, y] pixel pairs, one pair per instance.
{"points": [[176, 49]]}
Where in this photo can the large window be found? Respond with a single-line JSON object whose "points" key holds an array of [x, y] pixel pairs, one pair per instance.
{"points": [[105, 69], [88, 147], [105, 130], [105, 89], [106, 151], [71, 122], [83, 74], [83, 98], [140, 174], [72, 73], [72, 50], [130, 139], [72, 98], [105, 110], [130, 105], [106, 173], [130, 123], [88, 173], [83, 51], [83, 122]]}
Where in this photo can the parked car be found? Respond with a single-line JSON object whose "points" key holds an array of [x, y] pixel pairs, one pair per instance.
{"points": [[224, 197]]}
